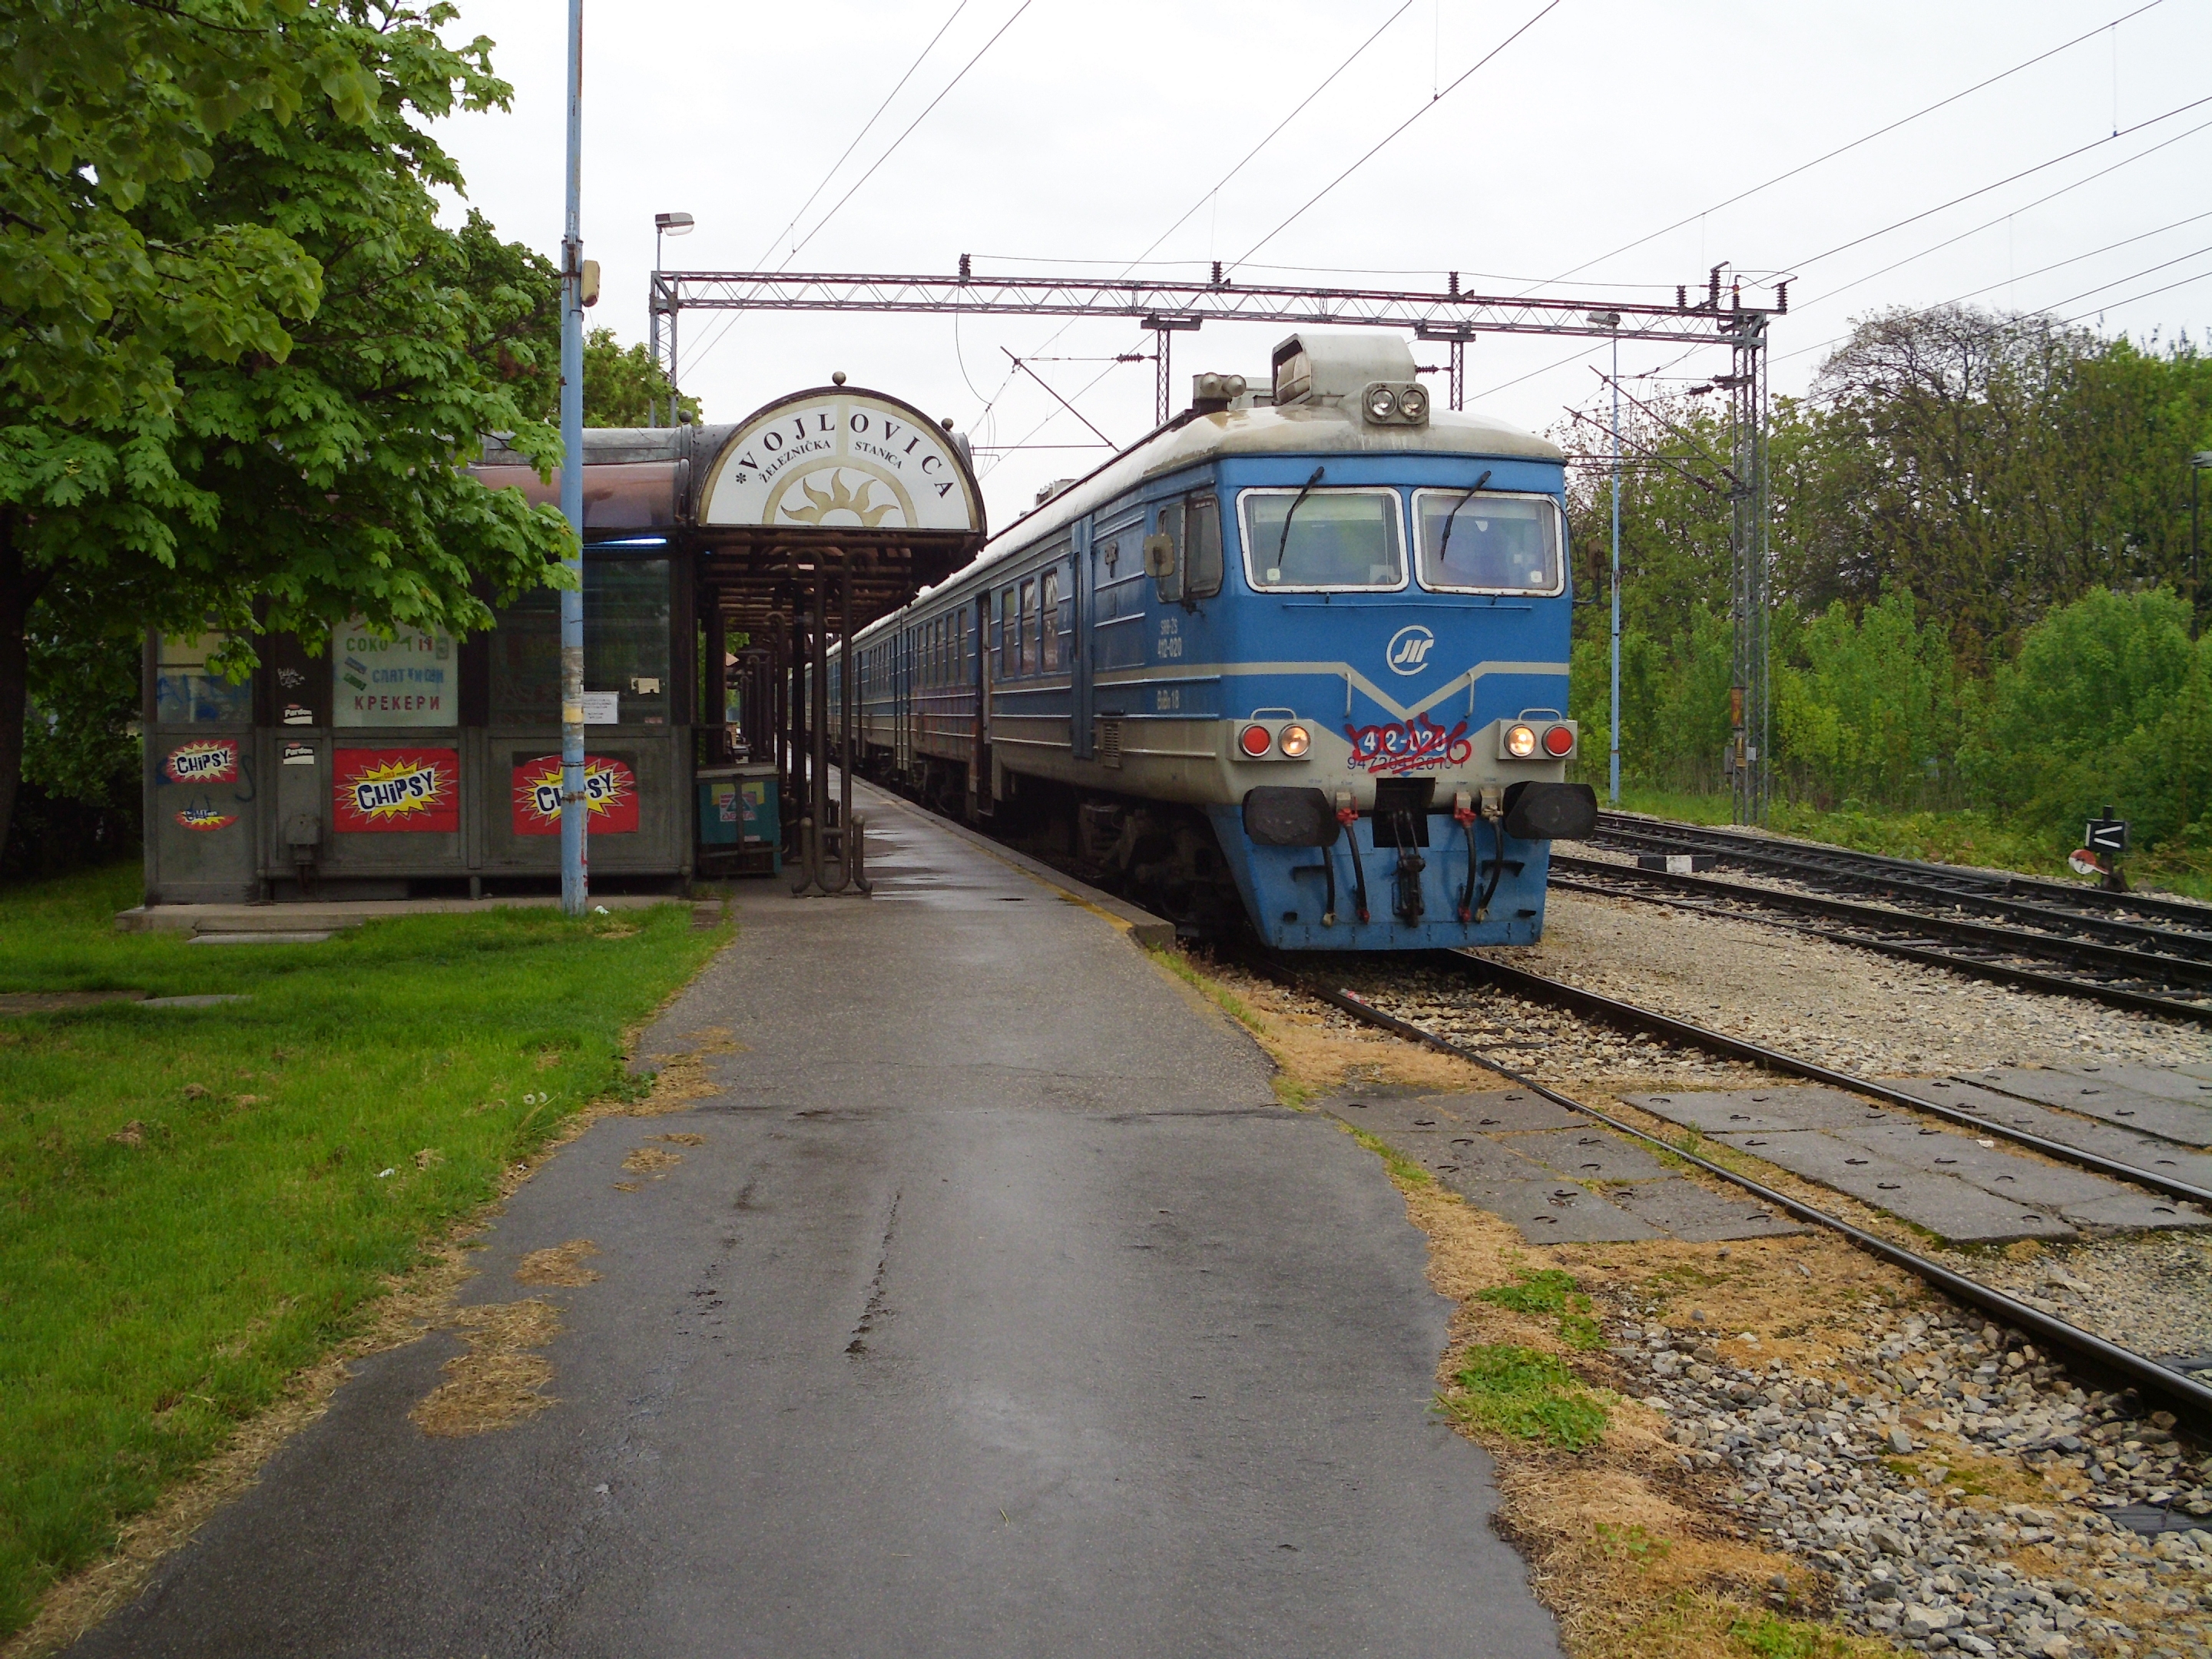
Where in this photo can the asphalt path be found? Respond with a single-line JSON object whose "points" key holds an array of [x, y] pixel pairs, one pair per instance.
{"points": [[1000, 1311]]}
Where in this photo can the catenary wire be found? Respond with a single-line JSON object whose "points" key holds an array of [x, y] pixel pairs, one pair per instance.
{"points": [[878, 163], [1913, 219], [1543, 12], [866, 127], [1987, 224], [1866, 138]]}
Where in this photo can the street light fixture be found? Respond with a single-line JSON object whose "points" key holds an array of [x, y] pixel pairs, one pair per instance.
{"points": [[1611, 320], [665, 224]]}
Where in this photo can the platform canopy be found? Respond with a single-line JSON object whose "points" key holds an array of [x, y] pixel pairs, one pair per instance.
{"points": [[827, 482]]}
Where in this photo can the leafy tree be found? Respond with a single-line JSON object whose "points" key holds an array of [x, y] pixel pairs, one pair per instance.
{"points": [[623, 387], [245, 366]]}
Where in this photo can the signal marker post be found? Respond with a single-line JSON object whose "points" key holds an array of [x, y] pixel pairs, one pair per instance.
{"points": [[575, 811]]}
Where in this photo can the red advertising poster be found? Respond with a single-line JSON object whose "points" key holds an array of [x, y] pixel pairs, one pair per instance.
{"points": [[609, 790], [203, 760], [382, 791]]}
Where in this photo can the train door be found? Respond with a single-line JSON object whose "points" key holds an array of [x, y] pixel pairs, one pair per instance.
{"points": [[1079, 722], [979, 763]]}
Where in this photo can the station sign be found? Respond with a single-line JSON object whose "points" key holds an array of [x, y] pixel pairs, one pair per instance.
{"points": [[837, 458], [395, 791]]}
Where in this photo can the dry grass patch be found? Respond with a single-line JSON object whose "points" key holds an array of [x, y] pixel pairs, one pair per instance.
{"points": [[561, 1264], [502, 1379], [645, 1160]]}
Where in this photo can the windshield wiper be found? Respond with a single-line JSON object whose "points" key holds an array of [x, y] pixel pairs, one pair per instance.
{"points": [[1284, 540], [1452, 518]]}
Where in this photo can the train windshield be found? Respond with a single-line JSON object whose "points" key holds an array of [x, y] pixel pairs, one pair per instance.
{"points": [[1334, 538], [1488, 544]]}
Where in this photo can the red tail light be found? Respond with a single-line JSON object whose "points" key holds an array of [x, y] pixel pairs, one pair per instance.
{"points": [[1559, 741], [1256, 740]]}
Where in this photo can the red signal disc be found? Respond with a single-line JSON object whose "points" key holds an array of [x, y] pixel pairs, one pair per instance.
{"points": [[1559, 740], [1256, 740]]}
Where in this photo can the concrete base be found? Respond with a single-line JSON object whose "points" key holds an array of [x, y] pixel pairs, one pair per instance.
{"points": [[325, 916]]}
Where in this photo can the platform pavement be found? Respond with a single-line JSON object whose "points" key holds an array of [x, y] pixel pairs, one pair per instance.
{"points": [[1001, 1310]]}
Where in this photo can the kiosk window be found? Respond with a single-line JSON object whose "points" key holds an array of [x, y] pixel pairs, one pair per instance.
{"points": [[410, 679], [187, 693], [626, 648]]}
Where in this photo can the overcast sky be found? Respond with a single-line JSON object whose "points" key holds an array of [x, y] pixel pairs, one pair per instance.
{"points": [[1086, 133]]}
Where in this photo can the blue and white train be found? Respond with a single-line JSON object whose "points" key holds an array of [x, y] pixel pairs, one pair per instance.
{"points": [[1302, 653]]}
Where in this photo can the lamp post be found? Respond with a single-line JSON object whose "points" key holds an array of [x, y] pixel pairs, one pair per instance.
{"points": [[2197, 462], [1611, 320], [665, 224], [575, 809]]}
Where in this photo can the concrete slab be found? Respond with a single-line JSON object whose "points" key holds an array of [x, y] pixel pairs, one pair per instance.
{"points": [[1471, 1158], [1943, 1204], [2134, 1211], [259, 936], [2166, 1082], [1558, 1213], [1000, 1309], [1737, 1111], [1505, 1112], [2086, 1135], [1993, 1168], [1686, 1209], [2169, 1120], [1588, 1155]]}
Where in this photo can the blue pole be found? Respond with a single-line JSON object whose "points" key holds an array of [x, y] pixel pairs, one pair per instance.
{"points": [[575, 811], [1613, 792]]}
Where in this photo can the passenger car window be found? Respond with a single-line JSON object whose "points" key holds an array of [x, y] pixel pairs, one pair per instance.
{"points": [[1028, 645], [1489, 543], [1335, 539], [1048, 627], [1009, 648]]}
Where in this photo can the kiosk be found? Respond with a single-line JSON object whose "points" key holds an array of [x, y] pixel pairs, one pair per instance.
{"points": [[717, 562]]}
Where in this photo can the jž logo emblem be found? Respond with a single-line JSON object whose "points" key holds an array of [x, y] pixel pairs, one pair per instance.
{"points": [[1408, 650]]}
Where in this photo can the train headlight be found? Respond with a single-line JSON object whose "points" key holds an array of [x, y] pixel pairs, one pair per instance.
{"points": [[1381, 403], [1521, 741], [1296, 740], [1560, 742], [1413, 404], [1256, 740]]}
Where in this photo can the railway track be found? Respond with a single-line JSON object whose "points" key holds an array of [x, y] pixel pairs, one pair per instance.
{"points": [[2183, 1391], [2150, 957], [2179, 926]]}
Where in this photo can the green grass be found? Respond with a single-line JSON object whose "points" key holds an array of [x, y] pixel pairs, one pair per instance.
{"points": [[1550, 1291], [1527, 1394], [1962, 836], [155, 1295]]}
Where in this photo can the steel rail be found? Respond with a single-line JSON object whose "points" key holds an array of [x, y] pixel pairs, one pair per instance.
{"points": [[1613, 1011], [2082, 927], [2176, 1387], [1950, 883], [2196, 972], [2130, 965]]}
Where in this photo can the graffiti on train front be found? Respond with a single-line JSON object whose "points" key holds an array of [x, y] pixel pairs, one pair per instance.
{"points": [[1412, 746]]}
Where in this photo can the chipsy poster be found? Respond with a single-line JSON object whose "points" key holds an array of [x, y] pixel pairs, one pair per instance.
{"points": [[380, 791], [609, 790], [202, 761]]}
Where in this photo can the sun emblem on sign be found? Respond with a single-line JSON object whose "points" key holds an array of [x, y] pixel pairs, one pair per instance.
{"points": [[838, 499]]}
